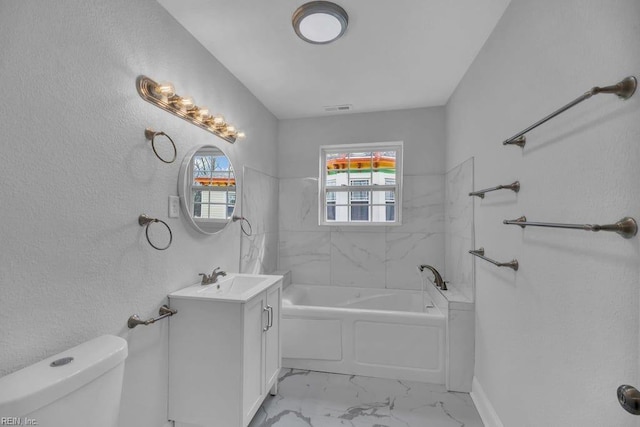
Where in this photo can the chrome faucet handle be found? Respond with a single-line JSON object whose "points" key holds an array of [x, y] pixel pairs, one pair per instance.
{"points": [[205, 278], [216, 273]]}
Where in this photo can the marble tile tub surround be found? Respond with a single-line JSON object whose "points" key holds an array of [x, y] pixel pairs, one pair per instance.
{"points": [[459, 231], [259, 252], [375, 256], [317, 399]]}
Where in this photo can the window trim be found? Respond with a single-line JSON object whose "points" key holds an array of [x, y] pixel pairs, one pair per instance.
{"points": [[397, 187]]}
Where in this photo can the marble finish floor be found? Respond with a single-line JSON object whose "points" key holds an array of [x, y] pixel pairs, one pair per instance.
{"points": [[318, 399]]}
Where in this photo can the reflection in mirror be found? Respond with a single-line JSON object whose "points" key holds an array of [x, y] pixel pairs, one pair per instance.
{"points": [[207, 188]]}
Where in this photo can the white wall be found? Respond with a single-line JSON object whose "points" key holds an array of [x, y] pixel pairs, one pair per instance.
{"points": [[555, 339], [375, 256], [77, 171]]}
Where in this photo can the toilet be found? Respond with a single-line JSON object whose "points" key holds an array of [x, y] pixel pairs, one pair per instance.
{"points": [[79, 387]]}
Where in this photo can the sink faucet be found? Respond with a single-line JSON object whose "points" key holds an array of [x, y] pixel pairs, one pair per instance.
{"points": [[437, 277], [213, 278]]}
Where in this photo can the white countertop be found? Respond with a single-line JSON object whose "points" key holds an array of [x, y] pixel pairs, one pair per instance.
{"points": [[234, 288]]}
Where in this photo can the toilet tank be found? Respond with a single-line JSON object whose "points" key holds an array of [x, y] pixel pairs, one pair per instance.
{"points": [[63, 392]]}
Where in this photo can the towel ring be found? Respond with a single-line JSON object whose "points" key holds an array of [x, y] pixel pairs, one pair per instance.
{"points": [[145, 220], [151, 134], [243, 219]]}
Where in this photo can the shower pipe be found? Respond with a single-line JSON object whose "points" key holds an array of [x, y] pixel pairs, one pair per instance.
{"points": [[626, 227], [515, 187], [164, 311], [624, 89], [513, 264]]}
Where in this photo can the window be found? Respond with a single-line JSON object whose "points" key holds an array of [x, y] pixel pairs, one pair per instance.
{"points": [[359, 201], [390, 200], [331, 201], [360, 184]]}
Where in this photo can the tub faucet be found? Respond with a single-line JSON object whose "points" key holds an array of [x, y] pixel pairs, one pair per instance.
{"points": [[437, 277], [213, 278]]}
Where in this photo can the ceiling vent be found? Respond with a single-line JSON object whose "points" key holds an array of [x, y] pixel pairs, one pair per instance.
{"points": [[338, 108]]}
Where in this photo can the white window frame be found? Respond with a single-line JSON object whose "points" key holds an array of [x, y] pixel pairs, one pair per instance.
{"points": [[323, 188]]}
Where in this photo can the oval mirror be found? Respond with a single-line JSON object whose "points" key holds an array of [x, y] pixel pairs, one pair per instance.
{"points": [[207, 189]]}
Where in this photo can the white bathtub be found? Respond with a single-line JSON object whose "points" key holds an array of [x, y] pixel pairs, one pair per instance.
{"points": [[360, 331]]}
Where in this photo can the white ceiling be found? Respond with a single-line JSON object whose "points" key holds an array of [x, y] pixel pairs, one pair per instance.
{"points": [[395, 54]]}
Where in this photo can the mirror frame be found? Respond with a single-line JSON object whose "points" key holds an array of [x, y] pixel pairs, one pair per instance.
{"points": [[184, 180]]}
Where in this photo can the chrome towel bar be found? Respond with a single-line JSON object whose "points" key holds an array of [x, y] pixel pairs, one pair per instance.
{"points": [[513, 264], [164, 311], [626, 227], [624, 89], [515, 187]]}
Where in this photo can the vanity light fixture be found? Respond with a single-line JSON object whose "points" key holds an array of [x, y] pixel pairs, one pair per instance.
{"points": [[320, 22], [163, 95]]}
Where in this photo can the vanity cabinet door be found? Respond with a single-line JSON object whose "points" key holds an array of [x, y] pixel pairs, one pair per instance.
{"points": [[272, 356], [253, 374]]}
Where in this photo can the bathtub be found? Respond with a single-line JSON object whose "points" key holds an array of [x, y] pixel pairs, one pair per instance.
{"points": [[361, 331]]}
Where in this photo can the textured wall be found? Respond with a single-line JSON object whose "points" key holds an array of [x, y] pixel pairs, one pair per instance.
{"points": [[362, 256], [555, 339], [77, 171]]}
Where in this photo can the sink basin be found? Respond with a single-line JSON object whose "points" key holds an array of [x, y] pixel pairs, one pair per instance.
{"points": [[234, 287], [236, 284]]}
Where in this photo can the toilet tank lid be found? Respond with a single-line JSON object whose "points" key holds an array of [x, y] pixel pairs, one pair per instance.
{"points": [[35, 386]]}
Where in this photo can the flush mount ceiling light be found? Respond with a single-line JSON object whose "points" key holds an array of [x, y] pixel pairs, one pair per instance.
{"points": [[320, 22]]}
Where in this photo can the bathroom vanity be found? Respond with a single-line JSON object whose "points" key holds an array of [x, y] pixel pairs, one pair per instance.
{"points": [[224, 350]]}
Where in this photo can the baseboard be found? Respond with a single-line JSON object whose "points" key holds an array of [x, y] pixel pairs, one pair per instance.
{"points": [[483, 405]]}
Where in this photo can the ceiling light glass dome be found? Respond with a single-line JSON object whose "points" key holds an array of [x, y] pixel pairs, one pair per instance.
{"points": [[320, 22]]}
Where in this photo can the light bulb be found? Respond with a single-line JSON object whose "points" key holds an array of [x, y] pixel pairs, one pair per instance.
{"points": [[240, 135], [165, 89], [202, 113], [218, 121], [231, 130], [186, 102]]}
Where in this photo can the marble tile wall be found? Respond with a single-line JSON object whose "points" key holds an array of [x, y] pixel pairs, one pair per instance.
{"points": [[378, 256], [459, 233], [259, 252]]}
